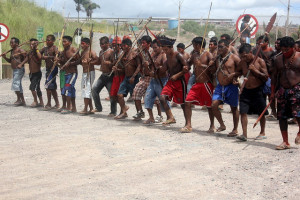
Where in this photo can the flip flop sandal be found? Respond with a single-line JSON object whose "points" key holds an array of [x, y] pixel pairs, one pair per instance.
{"points": [[186, 130], [261, 137], [241, 138], [232, 134], [169, 121], [283, 147], [64, 111]]}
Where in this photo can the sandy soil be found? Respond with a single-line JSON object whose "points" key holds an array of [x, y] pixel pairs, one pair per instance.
{"points": [[46, 155]]}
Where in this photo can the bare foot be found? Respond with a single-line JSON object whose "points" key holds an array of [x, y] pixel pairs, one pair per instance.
{"points": [[169, 121], [283, 146], [186, 129], [211, 130], [221, 128], [73, 110], [34, 105], [121, 116], [18, 103], [149, 122], [233, 133], [83, 112]]}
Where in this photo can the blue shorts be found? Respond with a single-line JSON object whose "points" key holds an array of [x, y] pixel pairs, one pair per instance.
{"points": [[126, 87], [50, 82], [267, 87], [70, 85], [228, 94], [154, 89]]}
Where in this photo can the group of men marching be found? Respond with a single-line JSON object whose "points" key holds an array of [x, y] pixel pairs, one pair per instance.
{"points": [[157, 74]]}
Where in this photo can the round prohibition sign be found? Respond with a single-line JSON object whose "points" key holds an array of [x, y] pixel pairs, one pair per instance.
{"points": [[4, 32], [253, 20]]}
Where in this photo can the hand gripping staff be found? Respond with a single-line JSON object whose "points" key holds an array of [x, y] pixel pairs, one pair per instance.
{"points": [[142, 31], [59, 44], [268, 29]]}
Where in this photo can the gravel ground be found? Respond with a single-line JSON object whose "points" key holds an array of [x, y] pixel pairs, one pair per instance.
{"points": [[46, 155]]}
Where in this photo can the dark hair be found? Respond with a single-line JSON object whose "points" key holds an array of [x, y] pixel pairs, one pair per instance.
{"points": [[214, 38], [198, 40], [16, 40], [156, 42], [69, 38], [33, 39], [226, 36], [278, 39], [298, 42], [52, 37], [246, 17], [104, 39], [181, 45], [287, 42], [127, 42], [86, 40], [213, 41], [147, 39], [226, 42], [245, 48], [262, 37]]}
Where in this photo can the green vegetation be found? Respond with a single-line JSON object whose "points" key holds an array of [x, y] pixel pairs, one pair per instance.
{"points": [[24, 17]]}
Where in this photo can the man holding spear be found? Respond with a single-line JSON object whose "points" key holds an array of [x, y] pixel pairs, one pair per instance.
{"points": [[17, 56], [252, 99]]}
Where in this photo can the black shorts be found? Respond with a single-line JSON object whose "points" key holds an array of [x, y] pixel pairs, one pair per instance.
{"points": [[35, 79], [253, 101]]}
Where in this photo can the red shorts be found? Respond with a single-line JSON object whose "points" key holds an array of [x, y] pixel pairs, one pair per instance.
{"points": [[201, 94], [175, 90], [117, 80], [187, 77]]}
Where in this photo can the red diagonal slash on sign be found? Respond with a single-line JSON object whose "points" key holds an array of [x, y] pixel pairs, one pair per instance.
{"points": [[5, 37]]}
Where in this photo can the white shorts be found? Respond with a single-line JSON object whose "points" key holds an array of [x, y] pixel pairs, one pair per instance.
{"points": [[86, 84]]}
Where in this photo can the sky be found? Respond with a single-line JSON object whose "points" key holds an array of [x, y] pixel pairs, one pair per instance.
{"points": [[229, 9]]}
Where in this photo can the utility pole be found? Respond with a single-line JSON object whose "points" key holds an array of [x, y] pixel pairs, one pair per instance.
{"points": [[178, 28], [287, 20]]}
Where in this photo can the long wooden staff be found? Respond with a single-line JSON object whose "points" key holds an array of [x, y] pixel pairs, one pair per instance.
{"points": [[268, 29], [206, 24], [133, 43], [13, 49], [90, 49], [229, 45], [262, 114], [59, 44]]}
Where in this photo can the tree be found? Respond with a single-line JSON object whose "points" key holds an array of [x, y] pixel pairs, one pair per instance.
{"points": [[89, 7], [80, 3]]}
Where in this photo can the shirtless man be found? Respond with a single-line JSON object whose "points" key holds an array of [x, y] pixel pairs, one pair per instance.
{"points": [[34, 59], [201, 92], [106, 59], [231, 47], [141, 87], [154, 89], [68, 92], [227, 89], [252, 99], [17, 56], [48, 54], [175, 88], [88, 74], [118, 75], [132, 68], [286, 77], [266, 54]]}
